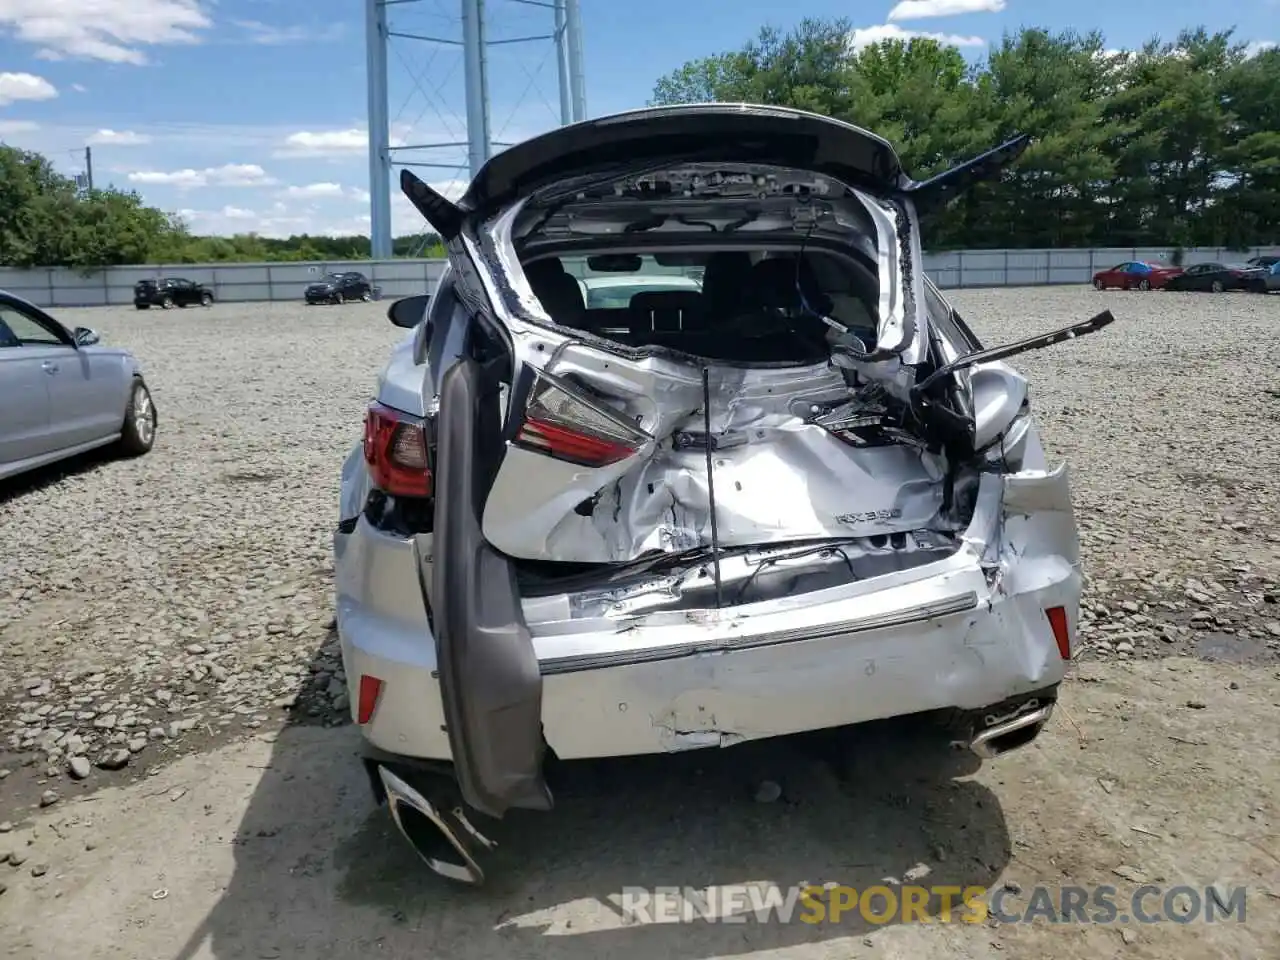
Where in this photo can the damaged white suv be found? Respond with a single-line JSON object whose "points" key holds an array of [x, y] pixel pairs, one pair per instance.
{"points": [[799, 496]]}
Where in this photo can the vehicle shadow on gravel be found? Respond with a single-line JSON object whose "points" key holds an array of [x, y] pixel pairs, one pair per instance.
{"points": [[83, 464], [320, 871]]}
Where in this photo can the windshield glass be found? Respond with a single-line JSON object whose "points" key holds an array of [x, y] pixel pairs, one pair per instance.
{"points": [[617, 296], [609, 290]]}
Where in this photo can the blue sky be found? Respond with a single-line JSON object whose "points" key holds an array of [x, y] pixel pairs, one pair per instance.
{"points": [[250, 114]]}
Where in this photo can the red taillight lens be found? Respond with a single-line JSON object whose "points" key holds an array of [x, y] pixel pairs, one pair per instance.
{"points": [[395, 448], [563, 424], [1061, 632]]}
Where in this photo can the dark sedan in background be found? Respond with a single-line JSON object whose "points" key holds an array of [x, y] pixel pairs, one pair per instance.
{"points": [[1217, 277], [170, 292], [1269, 281], [341, 287]]}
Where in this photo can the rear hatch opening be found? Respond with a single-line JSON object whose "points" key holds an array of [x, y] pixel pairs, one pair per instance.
{"points": [[717, 372]]}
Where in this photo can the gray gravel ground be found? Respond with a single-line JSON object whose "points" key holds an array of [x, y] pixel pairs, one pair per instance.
{"points": [[158, 606]]}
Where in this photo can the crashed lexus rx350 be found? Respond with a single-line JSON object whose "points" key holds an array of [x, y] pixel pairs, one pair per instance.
{"points": [[798, 496]]}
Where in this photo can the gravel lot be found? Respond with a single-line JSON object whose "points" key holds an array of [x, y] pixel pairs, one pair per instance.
{"points": [[178, 603]]}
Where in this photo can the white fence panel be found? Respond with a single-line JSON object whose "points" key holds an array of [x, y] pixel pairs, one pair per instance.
{"points": [[240, 282]]}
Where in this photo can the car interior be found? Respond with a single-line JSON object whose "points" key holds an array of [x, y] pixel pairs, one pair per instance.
{"points": [[769, 304]]}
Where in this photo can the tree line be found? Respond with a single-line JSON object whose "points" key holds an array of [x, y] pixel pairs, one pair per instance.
{"points": [[47, 221], [1174, 144], [1171, 145]]}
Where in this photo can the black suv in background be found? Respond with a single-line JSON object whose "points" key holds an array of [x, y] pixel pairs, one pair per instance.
{"points": [[170, 292], [339, 288]]}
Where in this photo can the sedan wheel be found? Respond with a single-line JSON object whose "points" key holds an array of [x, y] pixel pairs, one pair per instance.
{"points": [[206, 300], [167, 303], [1144, 285], [138, 434], [338, 298], [1217, 286], [1099, 285], [366, 296]]}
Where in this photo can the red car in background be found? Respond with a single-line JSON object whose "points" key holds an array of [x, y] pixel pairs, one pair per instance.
{"points": [[1135, 275]]}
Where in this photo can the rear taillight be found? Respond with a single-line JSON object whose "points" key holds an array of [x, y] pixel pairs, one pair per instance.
{"points": [[561, 423], [396, 451]]}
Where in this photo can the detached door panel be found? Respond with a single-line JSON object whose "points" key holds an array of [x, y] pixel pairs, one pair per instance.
{"points": [[490, 681]]}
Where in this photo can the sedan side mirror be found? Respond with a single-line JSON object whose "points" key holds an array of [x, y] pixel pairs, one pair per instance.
{"points": [[409, 311], [86, 337]]}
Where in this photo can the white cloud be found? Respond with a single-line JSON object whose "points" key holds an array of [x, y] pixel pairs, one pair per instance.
{"points": [[338, 143], [269, 35], [232, 220], [315, 190], [17, 126], [923, 9], [228, 175], [308, 143], [79, 88], [24, 86], [1255, 47], [116, 138], [312, 215], [360, 195], [869, 36], [111, 30]]}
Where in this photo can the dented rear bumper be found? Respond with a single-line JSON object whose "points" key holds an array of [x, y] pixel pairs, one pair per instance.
{"points": [[967, 632]]}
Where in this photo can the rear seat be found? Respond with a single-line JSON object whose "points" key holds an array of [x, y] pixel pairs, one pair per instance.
{"points": [[668, 311], [608, 322]]}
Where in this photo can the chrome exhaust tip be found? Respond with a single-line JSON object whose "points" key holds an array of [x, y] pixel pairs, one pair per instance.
{"points": [[1009, 733], [434, 834]]}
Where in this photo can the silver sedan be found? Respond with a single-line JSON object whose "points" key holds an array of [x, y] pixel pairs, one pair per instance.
{"points": [[62, 393]]}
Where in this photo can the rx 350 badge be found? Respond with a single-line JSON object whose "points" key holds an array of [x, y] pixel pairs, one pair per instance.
{"points": [[870, 516]]}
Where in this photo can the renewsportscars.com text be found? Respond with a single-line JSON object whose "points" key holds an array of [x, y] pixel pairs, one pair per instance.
{"points": [[881, 904]]}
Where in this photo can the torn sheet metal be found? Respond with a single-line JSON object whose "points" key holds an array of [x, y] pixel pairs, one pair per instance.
{"points": [[778, 477]]}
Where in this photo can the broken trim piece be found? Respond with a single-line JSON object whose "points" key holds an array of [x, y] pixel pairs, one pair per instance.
{"points": [[936, 192], [1038, 342], [444, 216], [490, 686], [923, 612], [711, 482]]}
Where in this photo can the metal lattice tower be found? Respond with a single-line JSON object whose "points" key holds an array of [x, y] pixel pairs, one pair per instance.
{"points": [[393, 24]]}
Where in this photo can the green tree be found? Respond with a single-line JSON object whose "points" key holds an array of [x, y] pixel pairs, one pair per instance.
{"points": [[1177, 143], [46, 221], [1050, 86], [808, 68], [1172, 125], [1247, 202]]}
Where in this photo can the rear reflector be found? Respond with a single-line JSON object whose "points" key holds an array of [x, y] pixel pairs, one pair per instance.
{"points": [[1061, 633], [562, 423], [370, 690]]}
